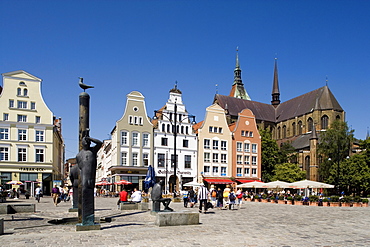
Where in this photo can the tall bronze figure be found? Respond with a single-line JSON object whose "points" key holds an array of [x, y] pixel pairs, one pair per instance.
{"points": [[86, 163]]}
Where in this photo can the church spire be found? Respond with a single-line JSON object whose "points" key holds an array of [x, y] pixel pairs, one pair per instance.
{"points": [[275, 87], [238, 90]]}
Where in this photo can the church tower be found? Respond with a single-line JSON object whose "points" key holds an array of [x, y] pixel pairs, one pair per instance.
{"points": [[238, 90], [275, 88]]}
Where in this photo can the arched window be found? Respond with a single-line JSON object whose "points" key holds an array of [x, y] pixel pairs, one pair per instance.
{"points": [[19, 91], [168, 128], [309, 124], [278, 133], [324, 122], [337, 117], [300, 128], [25, 92], [187, 130], [163, 127], [284, 131], [293, 128], [182, 129], [307, 161]]}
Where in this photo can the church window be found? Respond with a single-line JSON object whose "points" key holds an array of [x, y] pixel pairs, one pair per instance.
{"points": [[310, 124], [293, 128], [300, 128], [337, 117], [324, 122], [284, 131], [278, 133]]}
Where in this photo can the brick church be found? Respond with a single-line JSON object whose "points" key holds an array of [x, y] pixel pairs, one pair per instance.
{"points": [[298, 121]]}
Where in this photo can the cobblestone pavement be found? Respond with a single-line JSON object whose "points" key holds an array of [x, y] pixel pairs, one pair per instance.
{"points": [[255, 224]]}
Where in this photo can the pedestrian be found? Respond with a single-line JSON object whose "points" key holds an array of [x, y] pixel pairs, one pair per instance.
{"points": [[239, 195], [38, 193], [70, 193], [185, 197], [122, 197], [213, 194], [203, 195], [232, 199], [65, 193], [226, 195], [55, 194], [61, 192], [220, 198], [192, 197], [136, 195]]}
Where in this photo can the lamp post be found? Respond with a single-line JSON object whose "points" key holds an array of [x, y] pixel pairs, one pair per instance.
{"points": [[174, 125]]}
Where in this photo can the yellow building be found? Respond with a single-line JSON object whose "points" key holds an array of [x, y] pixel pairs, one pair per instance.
{"points": [[31, 144]]}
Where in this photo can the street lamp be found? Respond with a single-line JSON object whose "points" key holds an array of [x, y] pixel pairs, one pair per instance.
{"points": [[174, 127]]}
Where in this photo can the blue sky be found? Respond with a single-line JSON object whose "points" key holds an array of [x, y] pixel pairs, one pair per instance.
{"points": [[122, 46]]}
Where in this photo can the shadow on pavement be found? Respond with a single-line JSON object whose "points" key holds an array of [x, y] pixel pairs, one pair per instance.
{"points": [[121, 225]]}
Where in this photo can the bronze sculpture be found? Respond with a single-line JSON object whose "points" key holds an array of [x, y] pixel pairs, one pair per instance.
{"points": [[157, 198]]}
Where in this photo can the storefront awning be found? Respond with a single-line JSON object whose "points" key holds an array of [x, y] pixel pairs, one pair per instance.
{"points": [[218, 181], [243, 181]]}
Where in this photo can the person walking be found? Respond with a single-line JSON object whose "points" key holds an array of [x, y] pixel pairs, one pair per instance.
{"points": [[232, 199], [192, 197], [38, 193], [213, 194], [220, 198], [226, 196], [185, 197], [203, 195], [239, 195], [55, 193]]}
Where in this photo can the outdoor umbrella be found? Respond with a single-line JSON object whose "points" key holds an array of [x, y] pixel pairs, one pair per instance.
{"points": [[125, 182], [311, 184], [253, 184], [277, 184], [15, 182], [193, 184], [103, 183], [150, 178]]}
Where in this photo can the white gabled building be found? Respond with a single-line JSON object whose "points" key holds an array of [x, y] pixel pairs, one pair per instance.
{"points": [[31, 143], [164, 141]]}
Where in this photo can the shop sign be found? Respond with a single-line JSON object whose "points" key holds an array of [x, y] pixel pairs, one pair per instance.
{"points": [[29, 169], [171, 172]]}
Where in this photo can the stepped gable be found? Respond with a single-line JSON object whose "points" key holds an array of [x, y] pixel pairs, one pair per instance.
{"points": [[264, 112], [319, 99]]}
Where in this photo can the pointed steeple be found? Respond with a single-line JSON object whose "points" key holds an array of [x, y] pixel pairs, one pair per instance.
{"points": [[275, 87], [238, 90], [314, 133]]}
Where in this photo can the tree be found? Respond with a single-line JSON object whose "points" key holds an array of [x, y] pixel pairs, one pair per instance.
{"points": [[288, 172], [335, 144], [270, 155]]}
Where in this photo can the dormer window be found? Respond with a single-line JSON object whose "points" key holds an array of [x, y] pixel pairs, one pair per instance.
{"points": [[19, 92], [25, 92]]}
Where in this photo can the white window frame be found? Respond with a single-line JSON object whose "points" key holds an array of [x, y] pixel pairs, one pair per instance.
{"points": [[145, 159], [223, 158], [39, 135], [22, 118], [124, 138], [145, 140], [22, 104], [135, 159], [239, 147], [247, 147], [215, 157], [254, 148], [207, 157], [254, 160], [4, 153], [215, 144], [39, 155], [239, 159], [224, 145], [135, 139], [22, 134], [4, 133], [207, 143], [239, 172], [22, 154], [123, 158], [223, 171]]}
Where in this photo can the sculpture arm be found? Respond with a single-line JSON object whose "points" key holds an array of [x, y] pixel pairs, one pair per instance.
{"points": [[97, 142]]}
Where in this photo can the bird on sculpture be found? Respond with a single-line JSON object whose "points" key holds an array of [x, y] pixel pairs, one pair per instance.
{"points": [[83, 85]]}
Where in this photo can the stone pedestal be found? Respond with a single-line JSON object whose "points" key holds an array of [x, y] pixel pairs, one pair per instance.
{"points": [[177, 218], [80, 227], [73, 210], [1, 226], [156, 206]]}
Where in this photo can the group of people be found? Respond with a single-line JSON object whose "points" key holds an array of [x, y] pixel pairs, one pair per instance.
{"points": [[218, 198], [136, 196], [61, 194]]}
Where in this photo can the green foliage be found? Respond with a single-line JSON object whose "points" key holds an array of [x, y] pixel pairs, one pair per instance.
{"points": [[314, 198], [334, 198], [325, 200], [298, 198], [270, 155], [335, 143], [365, 200], [288, 172], [289, 198]]}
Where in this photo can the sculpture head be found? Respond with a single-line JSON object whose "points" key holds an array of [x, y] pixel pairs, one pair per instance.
{"points": [[85, 143]]}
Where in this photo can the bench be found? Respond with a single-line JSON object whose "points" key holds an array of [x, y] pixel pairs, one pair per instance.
{"points": [[177, 218], [12, 208], [144, 206]]}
